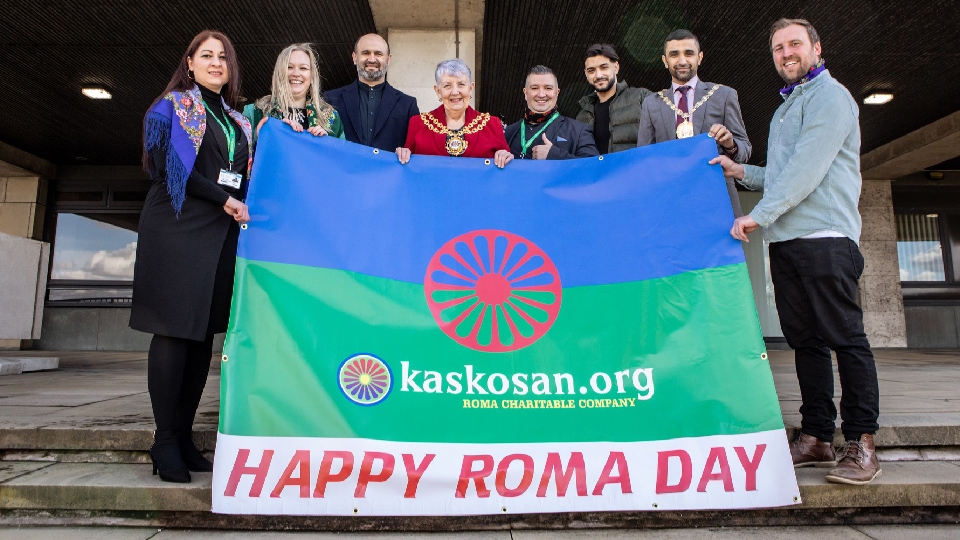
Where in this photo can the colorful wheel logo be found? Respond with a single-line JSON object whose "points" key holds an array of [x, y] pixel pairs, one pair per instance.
{"points": [[365, 379], [493, 291]]}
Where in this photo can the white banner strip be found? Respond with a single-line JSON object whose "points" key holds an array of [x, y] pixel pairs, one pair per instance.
{"points": [[314, 476]]}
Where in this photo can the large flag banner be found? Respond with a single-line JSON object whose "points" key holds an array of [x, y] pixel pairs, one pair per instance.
{"points": [[447, 337]]}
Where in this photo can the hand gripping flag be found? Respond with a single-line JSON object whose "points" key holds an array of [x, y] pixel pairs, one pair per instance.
{"points": [[447, 337]]}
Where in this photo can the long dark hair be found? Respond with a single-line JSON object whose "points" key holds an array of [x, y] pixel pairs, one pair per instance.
{"points": [[181, 80]]}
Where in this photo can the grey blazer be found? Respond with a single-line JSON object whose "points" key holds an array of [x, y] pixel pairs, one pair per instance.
{"points": [[658, 122]]}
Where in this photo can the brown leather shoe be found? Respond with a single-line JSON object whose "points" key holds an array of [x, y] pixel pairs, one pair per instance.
{"points": [[809, 451], [858, 463]]}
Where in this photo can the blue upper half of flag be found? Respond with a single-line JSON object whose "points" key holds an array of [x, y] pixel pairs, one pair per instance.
{"points": [[644, 213]]}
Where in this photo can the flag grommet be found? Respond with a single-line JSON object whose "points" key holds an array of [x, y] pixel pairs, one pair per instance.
{"points": [[376, 150], [601, 158], [224, 358], [486, 162], [763, 356], [655, 505], [243, 226]]}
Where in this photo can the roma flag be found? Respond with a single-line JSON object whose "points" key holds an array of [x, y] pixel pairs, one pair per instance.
{"points": [[446, 337]]}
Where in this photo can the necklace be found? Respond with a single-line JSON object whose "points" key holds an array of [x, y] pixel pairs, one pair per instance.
{"points": [[685, 129], [456, 145], [299, 115]]}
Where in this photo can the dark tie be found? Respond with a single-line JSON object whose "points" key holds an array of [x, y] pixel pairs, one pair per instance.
{"points": [[682, 102]]}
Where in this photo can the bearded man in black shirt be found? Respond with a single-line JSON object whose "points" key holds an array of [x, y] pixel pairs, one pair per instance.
{"points": [[613, 109]]}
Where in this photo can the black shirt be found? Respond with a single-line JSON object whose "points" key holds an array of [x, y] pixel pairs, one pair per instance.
{"points": [[300, 116], [370, 97], [601, 126]]}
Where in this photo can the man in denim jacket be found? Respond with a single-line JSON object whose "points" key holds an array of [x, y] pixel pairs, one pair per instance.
{"points": [[809, 215]]}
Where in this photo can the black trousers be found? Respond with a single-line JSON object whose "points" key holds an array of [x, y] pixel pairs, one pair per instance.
{"points": [[176, 375], [815, 285]]}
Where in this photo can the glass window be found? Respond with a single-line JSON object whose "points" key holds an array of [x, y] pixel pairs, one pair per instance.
{"points": [[919, 248], [94, 247]]}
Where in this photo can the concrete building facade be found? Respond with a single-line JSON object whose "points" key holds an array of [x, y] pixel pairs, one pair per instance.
{"points": [[87, 207]]}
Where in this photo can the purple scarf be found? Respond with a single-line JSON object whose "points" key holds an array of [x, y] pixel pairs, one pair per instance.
{"points": [[814, 71], [183, 136]]}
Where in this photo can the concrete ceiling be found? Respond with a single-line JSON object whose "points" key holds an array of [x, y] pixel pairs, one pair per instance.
{"points": [[52, 48], [869, 45]]}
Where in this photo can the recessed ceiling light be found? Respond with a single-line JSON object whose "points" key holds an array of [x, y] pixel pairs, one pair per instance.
{"points": [[95, 92], [877, 99]]}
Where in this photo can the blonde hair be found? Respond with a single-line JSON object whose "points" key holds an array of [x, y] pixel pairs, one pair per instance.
{"points": [[281, 95]]}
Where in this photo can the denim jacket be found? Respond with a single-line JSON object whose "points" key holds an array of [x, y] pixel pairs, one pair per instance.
{"points": [[812, 178]]}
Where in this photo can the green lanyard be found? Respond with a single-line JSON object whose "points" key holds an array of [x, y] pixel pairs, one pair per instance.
{"points": [[524, 142], [229, 132]]}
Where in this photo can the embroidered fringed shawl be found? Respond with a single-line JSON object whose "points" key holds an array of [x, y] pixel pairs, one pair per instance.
{"points": [[183, 137]]}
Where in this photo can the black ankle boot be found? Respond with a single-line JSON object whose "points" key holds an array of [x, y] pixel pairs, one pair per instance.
{"points": [[193, 458], [167, 462]]}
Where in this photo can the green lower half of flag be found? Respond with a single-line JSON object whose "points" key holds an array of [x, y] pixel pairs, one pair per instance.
{"points": [[674, 357]]}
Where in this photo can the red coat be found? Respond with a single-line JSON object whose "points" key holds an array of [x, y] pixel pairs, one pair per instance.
{"points": [[482, 144]]}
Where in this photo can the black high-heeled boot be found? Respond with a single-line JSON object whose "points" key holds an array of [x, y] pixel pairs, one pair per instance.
{"points": [[167, 462], [193, 458]]}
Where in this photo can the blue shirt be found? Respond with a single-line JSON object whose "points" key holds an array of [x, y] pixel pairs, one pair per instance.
{"points": [[812, 181]]}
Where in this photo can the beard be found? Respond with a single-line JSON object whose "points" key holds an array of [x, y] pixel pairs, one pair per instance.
{"points": [[804, 67], [606, 88], [691, 73], [372, 75]]}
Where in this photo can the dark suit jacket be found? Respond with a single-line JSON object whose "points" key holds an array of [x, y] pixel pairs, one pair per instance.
{"points": [[658, 122], [396, 108], [571, 139]]}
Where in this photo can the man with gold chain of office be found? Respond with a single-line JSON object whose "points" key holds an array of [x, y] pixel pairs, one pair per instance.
{"points": [[691, 107]]}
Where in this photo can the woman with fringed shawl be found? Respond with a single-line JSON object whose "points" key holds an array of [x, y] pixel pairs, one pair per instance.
{"points": [[196, 151], [295, 96]]}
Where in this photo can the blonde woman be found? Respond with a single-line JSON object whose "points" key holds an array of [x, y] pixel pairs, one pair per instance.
{"points": [[295, 96]]}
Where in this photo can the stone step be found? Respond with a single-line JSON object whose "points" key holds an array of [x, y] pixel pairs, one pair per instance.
{"points": [[91, 438], [86, 492], [15, 365], [894, 443]]}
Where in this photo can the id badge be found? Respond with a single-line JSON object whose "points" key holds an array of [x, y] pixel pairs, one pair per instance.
{"points": [[229, 179]]}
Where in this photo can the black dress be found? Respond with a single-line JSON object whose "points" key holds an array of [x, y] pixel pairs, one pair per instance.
{"points": [[183, 279]]}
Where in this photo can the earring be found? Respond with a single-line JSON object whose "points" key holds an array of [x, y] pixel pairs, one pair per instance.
{"points": [[190, 74]]}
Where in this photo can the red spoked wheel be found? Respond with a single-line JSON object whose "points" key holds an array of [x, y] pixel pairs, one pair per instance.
{"points": [[493, 291]]}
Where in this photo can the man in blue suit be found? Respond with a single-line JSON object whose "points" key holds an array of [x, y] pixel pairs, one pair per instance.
{"points": [[373, 112]]}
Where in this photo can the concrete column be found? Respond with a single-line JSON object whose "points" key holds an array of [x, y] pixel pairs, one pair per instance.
{"points": [[23, 206], [880, 295], [421, 33], [416, 54], [23, 202]]}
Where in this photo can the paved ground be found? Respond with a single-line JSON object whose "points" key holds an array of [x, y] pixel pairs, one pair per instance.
{"points": [[108, 390], [865, 532]]}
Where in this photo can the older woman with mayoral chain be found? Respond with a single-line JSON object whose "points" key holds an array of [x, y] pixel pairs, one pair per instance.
{"points": [[455, 128], [295, 96], [195, 149]]}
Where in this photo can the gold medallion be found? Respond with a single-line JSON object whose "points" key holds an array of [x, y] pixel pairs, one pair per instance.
{"points": [[456, 145], [685, 129]]}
